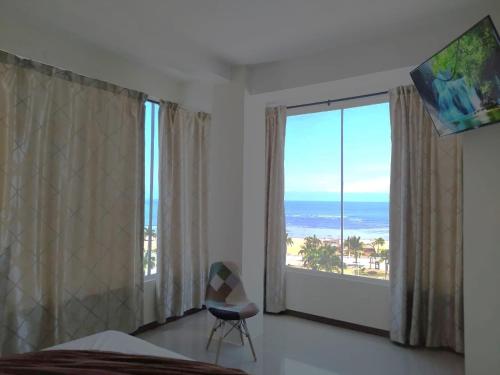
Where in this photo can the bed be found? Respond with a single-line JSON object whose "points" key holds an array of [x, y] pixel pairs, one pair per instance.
{"points": [[115, 341], [109, 352]]}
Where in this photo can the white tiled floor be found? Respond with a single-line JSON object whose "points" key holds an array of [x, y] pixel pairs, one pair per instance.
{"points": [[296, 346]]}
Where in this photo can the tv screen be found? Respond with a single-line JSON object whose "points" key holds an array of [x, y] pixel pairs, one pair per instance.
{"points": [[460, 85]]}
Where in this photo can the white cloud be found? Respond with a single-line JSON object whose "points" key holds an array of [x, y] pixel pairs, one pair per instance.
{"points": [[372, 185], [314, 182]]}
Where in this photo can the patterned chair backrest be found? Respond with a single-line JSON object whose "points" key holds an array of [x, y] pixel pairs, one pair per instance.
{"points": [[224, 284]]}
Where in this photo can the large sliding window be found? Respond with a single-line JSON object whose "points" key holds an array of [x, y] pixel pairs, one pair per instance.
{"points": [[151, 188], [337, 175]]}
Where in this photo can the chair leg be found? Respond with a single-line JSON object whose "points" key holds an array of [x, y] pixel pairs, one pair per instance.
{"points": [[240, 328], [214, 328], [247, 333], [222, 324]]}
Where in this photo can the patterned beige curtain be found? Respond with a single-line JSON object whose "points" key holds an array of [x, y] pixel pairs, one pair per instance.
{"points": [[182, 211], [425, 228], [71, 167], [275, 210]]}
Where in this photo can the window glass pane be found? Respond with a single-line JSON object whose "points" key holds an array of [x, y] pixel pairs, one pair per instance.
{"points": [[312, 191], [147, 159], [367, 163], [147, 182], [155, 182], [150, 187]]}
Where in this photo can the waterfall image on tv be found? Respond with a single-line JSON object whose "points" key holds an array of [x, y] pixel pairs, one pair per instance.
{"points": [[460, 85]]}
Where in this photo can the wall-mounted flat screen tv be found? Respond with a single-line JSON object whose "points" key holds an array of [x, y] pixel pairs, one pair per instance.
{"points": [[460, 85]]}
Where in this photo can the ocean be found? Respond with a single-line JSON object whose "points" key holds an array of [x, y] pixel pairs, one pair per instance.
{"points": [[368, 220], [155, 213]]}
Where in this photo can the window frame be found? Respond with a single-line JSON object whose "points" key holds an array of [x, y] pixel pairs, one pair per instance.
{"points": [[341, 105]]}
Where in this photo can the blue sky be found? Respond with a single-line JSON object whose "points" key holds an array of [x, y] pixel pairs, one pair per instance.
{"points": [[150, 109], [312, 155]]}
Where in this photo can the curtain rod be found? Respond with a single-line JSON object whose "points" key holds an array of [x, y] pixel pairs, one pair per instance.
{"points": [[152, 99], [328, 102]]}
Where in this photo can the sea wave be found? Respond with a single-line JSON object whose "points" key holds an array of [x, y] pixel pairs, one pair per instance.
{"points": [[365, 219]]}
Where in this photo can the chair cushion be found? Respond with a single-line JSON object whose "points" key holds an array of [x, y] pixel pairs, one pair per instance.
{"points": [[238, 311]]}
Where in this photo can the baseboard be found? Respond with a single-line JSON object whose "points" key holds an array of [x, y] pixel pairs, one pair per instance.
{"points": [[338, 323], [153, 325]]}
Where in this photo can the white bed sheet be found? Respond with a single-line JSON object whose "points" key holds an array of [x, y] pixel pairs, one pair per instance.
{"points": [[115, 341]]}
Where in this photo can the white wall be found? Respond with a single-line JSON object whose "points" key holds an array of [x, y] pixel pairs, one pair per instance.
{"points": [[253, 200], [197, 96], [482, 250], [254, 186], [350, 299], [226, 170], [481, 246]]}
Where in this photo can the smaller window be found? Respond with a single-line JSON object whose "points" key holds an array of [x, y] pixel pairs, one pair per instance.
{"points": [[151, 188]]}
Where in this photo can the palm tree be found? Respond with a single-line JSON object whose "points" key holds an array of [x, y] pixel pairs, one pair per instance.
{"points": [[289, 240], [384, 256], [152, 262], [149, 232], [311, 252], [347, 243], [329, 258], [377, 243], [319, 256], [354, 243]]}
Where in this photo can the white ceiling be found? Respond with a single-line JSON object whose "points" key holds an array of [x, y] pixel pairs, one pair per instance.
{"points": [[209, 36]]}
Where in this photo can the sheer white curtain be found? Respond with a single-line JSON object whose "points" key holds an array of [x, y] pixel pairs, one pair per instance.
{"points": [[425, 228], [182, 211], [275, 210], [71, 206]]}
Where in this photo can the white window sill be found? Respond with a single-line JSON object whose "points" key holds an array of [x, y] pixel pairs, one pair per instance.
{"points": [[337, 276]]}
